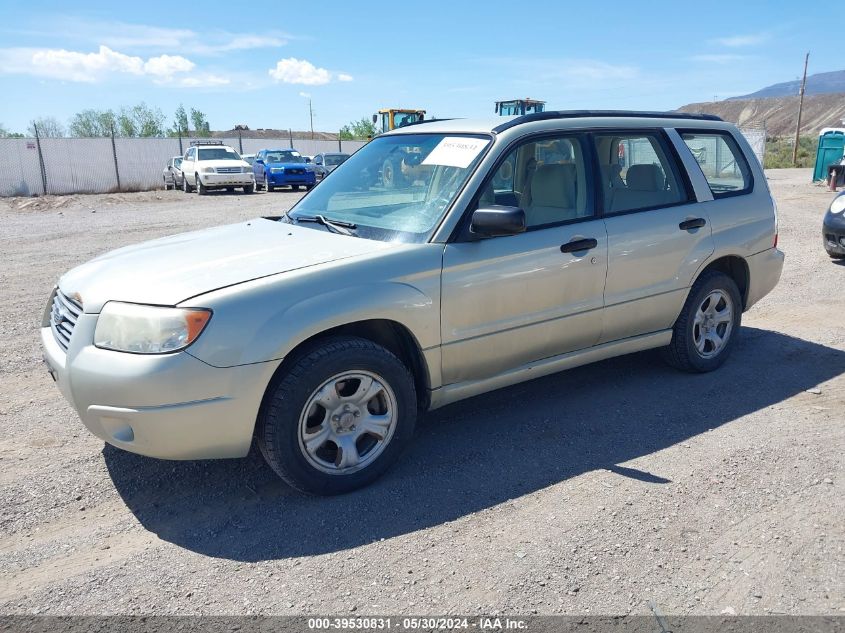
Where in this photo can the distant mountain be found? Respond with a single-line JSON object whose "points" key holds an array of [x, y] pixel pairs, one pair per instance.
{"points": [[778, 113], [818, 84]]}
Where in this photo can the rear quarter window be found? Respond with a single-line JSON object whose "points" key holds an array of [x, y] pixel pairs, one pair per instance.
{"points": [[721, 160]]}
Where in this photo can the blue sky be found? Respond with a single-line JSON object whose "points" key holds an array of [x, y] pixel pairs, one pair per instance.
{"points": [[256, 62]]}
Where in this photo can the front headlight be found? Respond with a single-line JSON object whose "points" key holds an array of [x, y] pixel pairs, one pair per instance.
{"points": [[142, 329], [838, 204], [208, 170], [246, 170]]}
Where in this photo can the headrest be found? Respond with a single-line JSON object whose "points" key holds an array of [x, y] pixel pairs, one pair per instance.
{"points": [[554, 186], [644, 178]]}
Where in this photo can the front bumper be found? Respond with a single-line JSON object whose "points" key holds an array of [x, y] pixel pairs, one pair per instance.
{"points": [[227, 180], [171, 406], [286, 178], [833, 234]]}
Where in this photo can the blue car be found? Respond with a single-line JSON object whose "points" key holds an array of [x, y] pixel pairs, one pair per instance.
{"points": [[282, 168]]}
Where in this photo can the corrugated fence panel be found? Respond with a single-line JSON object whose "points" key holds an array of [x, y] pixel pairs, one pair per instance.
{"points": [[20, 174], [141, 161], [86, 165]]}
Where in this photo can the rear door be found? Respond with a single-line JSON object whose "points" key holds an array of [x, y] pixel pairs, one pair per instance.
{"points": [[657, 234]]}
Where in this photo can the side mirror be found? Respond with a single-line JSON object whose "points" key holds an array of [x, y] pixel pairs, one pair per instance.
{"points": [[375, 118], [496, 221], [259, 161], [307, 160]]}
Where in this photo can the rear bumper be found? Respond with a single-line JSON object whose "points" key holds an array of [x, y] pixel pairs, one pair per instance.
{"points": [[171, 406], [764, 270]]}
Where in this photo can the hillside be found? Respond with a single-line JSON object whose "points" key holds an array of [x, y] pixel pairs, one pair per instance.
{"points": [[778, 113], [820, 83]]}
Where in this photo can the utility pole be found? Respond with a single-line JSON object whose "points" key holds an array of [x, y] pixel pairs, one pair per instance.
{"points": [[311, 115], [800, 108]]}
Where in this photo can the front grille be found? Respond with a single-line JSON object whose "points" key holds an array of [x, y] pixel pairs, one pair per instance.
{"points": [[295, 170], [63, 318], [228, 170]]}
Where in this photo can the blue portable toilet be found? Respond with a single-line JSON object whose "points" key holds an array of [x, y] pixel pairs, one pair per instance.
{"points": [[830, 152]]}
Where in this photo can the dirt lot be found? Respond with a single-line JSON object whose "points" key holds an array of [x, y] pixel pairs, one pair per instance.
{"points": [[593, 491]]}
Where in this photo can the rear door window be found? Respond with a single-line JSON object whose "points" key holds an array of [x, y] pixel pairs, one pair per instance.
{"points": [[722, 162], [637, 172]]}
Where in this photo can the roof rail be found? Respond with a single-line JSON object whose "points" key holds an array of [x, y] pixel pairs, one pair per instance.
{"points": [[206, 142], [583, 114]]}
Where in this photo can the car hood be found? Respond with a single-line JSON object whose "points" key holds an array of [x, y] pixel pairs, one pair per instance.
{"points": [[170, 270]]}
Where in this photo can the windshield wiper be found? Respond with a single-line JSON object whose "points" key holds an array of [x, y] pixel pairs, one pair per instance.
{"points": [[335, 226]]}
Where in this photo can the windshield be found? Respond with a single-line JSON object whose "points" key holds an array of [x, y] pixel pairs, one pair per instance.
{"points": [[218, 153], [404, 118], [397, 188], [333, 160], [284, 157]]}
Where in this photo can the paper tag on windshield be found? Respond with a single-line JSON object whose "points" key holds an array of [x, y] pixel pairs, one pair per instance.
{"points": [[455, 151]]}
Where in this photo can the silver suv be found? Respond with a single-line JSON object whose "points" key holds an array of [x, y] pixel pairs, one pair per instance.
{"points": [[507, 250]]}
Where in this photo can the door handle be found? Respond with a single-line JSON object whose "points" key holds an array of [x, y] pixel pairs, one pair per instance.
{"points": [[579, 245], [695, 223]]}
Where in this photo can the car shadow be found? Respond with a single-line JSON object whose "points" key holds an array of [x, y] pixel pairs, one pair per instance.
{"points": [[473, 454]]}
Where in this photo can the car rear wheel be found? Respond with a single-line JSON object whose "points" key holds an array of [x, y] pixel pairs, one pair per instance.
{"points": [[167, 186], [708, 325], [338, 417]]}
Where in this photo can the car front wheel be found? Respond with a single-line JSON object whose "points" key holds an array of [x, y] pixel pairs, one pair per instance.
{"points": [[338, 417], [201, 188], [708, 325]]}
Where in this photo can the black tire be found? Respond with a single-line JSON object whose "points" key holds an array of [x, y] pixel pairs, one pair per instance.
{"points": [[391, 174], [268, 184], [230, 189], [249, 188], [185, 186], [277, 428], [167, 186], [682, 353], [309, 187], [201, 188]]}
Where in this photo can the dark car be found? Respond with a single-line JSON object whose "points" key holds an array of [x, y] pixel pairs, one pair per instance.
{"points": [[282, 168], [833, 228], [325, 163], [172, 173]]}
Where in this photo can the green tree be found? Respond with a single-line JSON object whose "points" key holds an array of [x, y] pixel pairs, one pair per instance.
{"points": [[92, 123], [201, 126], [126, 123], [358, 130], [181, 127], [148, 121], [48, 127]]}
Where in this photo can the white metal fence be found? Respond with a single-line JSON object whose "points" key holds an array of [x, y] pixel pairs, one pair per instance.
{"points": [[31, 166]]}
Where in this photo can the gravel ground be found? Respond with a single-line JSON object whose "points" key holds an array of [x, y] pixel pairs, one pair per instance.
{"points": [[593, 491]]}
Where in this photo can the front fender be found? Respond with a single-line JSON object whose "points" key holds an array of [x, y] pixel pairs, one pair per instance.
{"points": [[265, 319]]}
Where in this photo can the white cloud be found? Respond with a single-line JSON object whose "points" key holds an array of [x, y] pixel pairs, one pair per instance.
{"points": [[306, 95], [736, 41], [299, 71], [135, 37], [344, 77], [167, 65], [202, 81], [77, 66]]}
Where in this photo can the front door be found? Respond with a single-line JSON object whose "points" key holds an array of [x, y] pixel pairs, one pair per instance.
{"points": [[508, 301]]}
